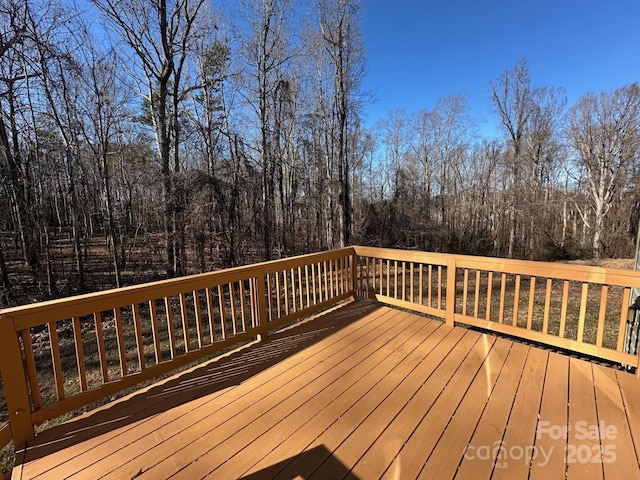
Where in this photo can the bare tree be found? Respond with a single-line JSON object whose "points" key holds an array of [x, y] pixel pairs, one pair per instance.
{"points": [[160, 33], [267, 50], [104, 110], [342, 43], [604, 131], [15, 39], [512, 98]]}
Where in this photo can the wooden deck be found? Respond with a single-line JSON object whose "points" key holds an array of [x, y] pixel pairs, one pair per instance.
{"points": [[364, 391]]}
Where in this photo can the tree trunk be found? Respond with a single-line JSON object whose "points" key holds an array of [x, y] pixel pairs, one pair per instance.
{"points": [[6, 284], [113, 239]]}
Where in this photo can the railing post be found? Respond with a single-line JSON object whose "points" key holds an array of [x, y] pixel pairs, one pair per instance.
{"points": [[451, 291], [15, 384], [262, 307]]}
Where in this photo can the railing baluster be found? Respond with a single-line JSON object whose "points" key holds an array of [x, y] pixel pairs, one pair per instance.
{"points": [[532, 294], [300, 288], [327, 280], [465, 290], [451, 293], [503, 286], [420, 287], [476, 303], [516, 301], [31, 368], [388, 278], [55, 358], [261, 305], [243, 311], [77, 340], [184, 320], [138, 332], [278, 295], [211, 314], [269, 293], [411, 282], [547, 306], [286, 292], [198, 313], [223, 313], [430, 285], [157, 348], [395, 279], [314, 285], [563, 310], [335, 263], [253, 302], [102, 352], [232, 302], [624, 311], [439, 287], [294, 300], [332, 290], [170, 327], [604, 291], [404, 280], [122, 352], [366, 275], [583, 311], [307, 285]]}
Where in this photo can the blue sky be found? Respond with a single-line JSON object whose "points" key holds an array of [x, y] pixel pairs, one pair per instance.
{"points": [[419, 51]]}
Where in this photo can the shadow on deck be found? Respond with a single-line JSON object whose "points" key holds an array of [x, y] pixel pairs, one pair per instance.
{"points": [[218, 374], [361, 391]]}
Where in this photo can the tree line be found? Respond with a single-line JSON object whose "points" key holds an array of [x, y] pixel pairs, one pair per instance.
{"points": [[186, 138]]}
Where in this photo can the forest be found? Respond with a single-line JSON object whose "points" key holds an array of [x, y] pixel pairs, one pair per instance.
{"points": [[146, 139]]}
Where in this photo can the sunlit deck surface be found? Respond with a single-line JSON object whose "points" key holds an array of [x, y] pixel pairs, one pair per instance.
{"points": [[362, 391]]}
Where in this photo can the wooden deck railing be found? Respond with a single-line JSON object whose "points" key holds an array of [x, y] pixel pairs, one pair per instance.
{"points": [[574, 307], [94, 345], [89, 347]]}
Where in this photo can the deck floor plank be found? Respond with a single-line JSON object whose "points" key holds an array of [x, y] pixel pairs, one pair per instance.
{"points": [[356, 445], [340, 430], [477, 463], [551, 432], [582, 411], [520, 430], [630, 392], [446, 456], [413, 455], [360, 392], [616, 451]]}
